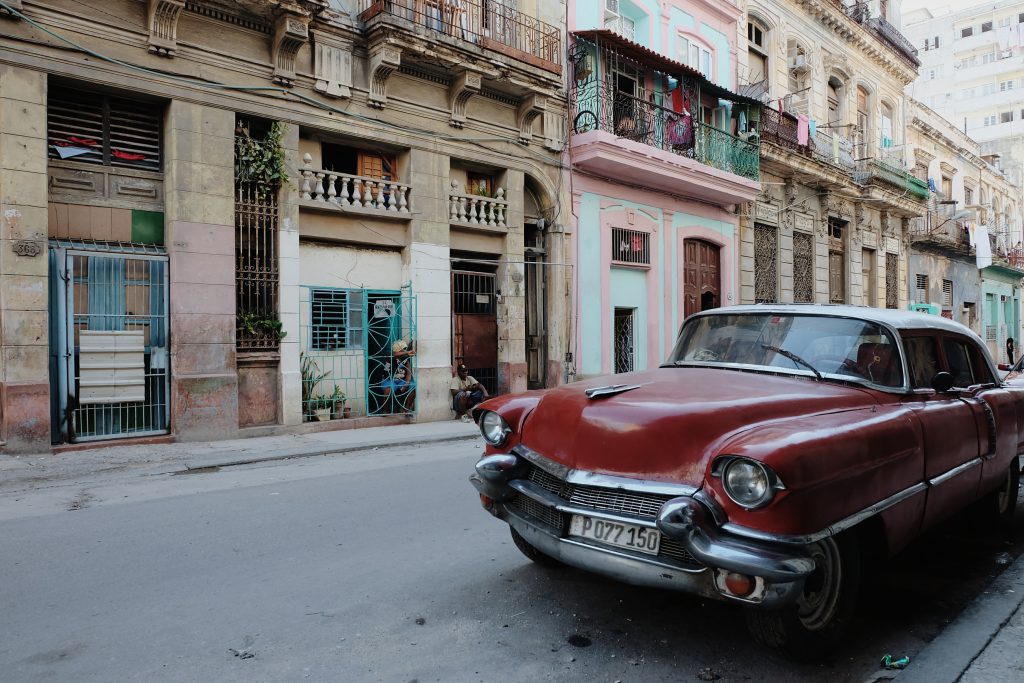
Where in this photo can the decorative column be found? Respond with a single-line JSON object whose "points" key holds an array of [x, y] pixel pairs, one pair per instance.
{"points": [[290, 404]]}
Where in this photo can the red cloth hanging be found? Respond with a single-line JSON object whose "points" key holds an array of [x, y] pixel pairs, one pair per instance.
{"points": [[677, 100], [127, 156]]}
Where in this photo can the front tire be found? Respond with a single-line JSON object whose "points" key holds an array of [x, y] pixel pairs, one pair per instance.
{"points": [[528, 549], [815, 625]]}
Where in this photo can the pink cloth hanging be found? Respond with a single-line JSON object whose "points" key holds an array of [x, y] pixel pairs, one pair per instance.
{"points": [[802, 130]]}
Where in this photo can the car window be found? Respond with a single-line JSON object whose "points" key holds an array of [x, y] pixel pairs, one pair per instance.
{"points": [[852, 349], [959, 358], [923, 360]]}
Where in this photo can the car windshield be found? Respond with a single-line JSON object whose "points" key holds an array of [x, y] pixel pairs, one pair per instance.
{"points": [[846, 348]]}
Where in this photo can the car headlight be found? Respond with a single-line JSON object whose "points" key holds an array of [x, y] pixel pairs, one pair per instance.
{"points": [[494, 428], [750, 484]]}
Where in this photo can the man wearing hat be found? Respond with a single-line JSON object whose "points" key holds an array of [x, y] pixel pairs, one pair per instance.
{"points": [[466, 393]]}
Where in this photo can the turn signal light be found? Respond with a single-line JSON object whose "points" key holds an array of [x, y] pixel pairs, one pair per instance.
{"points": [[486, 502], [739, 585]]}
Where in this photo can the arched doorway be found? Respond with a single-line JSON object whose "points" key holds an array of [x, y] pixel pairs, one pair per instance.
{"points": [[701, 276]]}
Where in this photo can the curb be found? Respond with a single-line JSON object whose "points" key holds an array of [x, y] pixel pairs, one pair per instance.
{"points": [[953, 651], [320, 450]]}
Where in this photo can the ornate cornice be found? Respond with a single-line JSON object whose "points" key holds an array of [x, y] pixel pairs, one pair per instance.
{"points": [[465, 85], [384, 59], [162, 19], [530, 108], [291, 32]]}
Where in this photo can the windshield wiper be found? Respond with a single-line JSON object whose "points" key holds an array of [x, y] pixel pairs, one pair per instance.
{"points": [[793, 357]]}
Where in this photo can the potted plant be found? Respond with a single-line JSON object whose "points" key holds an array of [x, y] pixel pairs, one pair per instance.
{"points": [[311, 376], [338, 408], [322, 407]]}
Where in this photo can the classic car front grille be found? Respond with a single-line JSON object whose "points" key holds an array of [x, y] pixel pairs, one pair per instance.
{"points": [[606, 500], [597, 498], [542, 513]]}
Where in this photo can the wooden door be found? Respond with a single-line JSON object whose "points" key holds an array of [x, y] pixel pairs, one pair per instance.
{"points": [[701, 279]]}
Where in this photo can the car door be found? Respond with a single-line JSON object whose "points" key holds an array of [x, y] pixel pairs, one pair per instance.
{"points": [[950, 438]]}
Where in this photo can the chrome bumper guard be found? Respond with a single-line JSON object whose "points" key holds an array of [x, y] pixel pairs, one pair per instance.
{"points": [[691, 523], [685, 519]]}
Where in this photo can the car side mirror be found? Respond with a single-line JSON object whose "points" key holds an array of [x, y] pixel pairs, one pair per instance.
{"points": [[942, 382]]}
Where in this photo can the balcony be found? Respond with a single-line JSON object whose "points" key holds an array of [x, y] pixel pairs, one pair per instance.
{"points": [[344, 192], [942, 227], [477, 212], [875, 171], [599, 108], [882, 30], [488, 25]]}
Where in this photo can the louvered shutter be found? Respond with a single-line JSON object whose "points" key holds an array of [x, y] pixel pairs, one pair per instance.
{"points": [[94, 128]]}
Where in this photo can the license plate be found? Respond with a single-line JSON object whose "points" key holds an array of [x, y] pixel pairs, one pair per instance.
{"points": [[639, 538]]}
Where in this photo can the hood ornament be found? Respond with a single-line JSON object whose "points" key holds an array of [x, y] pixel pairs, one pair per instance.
{"points": [[610, 390]]}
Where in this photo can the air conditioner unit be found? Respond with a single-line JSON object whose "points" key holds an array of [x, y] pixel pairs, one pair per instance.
{"points": [[798, 64]]}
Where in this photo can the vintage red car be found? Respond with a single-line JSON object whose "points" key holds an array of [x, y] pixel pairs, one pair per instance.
{"points": [[776, 450]]}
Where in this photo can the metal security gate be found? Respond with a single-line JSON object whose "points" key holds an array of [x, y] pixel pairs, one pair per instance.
{"points": [[109, 359], [355, 353], [475, 326]]}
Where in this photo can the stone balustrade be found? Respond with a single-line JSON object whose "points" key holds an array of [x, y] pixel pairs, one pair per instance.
{"points": [[471, 209], [344, 190]]}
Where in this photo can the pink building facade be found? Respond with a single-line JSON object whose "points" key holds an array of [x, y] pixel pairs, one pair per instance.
{"points": [[661, 161]]}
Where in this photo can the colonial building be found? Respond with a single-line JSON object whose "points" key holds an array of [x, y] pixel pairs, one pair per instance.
{"points": [[225, 215], [966, 260], [660, 157], [831, 222]]}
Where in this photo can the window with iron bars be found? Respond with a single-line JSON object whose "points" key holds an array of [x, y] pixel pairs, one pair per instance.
{"points": [[336, 319], [631, 246], [947, 293], [922, 288], [892, 278]]}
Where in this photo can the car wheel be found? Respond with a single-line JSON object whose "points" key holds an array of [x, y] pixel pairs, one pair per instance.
{"points": [[813, 626], [528, 549], [998, 507]]}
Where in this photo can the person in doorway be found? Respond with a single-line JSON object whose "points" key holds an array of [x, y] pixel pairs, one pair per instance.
{"points": [[400, 383], [1009, 349], [466, 393]]}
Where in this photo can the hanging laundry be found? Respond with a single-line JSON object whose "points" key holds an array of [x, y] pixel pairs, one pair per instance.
{"points": [[66, 151], [743, 120], [83, 142], [814, 128], [127, 156], [802, 130], [982, 248], [638, 242], [931, 185]]}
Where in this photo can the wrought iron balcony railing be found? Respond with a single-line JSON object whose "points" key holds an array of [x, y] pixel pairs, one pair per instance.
{"points": [[871, 171], [491, 25], [598, 107]]}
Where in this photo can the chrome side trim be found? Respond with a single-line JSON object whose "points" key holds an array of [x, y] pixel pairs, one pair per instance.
{"points": [[607, 481], [946, 476], [841, 525]]}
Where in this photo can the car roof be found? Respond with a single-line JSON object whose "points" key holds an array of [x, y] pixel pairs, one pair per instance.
{"points": [[895, 318]]}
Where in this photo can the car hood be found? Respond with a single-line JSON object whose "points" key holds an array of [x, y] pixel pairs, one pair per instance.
{"points": [[675, 421]]}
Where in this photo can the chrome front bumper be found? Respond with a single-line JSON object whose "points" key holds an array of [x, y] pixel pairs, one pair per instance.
{"points": [[780, 569]]}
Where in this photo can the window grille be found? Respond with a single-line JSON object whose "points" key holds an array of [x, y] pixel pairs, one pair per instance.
{"points": [[100, 129], [892, 279], [766, 276], [256, 262], [336, 317], [631, 246], [947, 293], [624, 340], [803, 267]]}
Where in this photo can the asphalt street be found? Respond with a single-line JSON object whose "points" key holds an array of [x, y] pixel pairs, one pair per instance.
{"points": [[376, 566]]}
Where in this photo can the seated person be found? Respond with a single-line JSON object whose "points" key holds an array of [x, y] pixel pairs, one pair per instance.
{"points": [[466, 393], [400, 384]]}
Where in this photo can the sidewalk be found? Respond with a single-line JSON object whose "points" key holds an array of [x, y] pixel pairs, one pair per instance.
{"points": [[22, 471], [983, 645]]}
